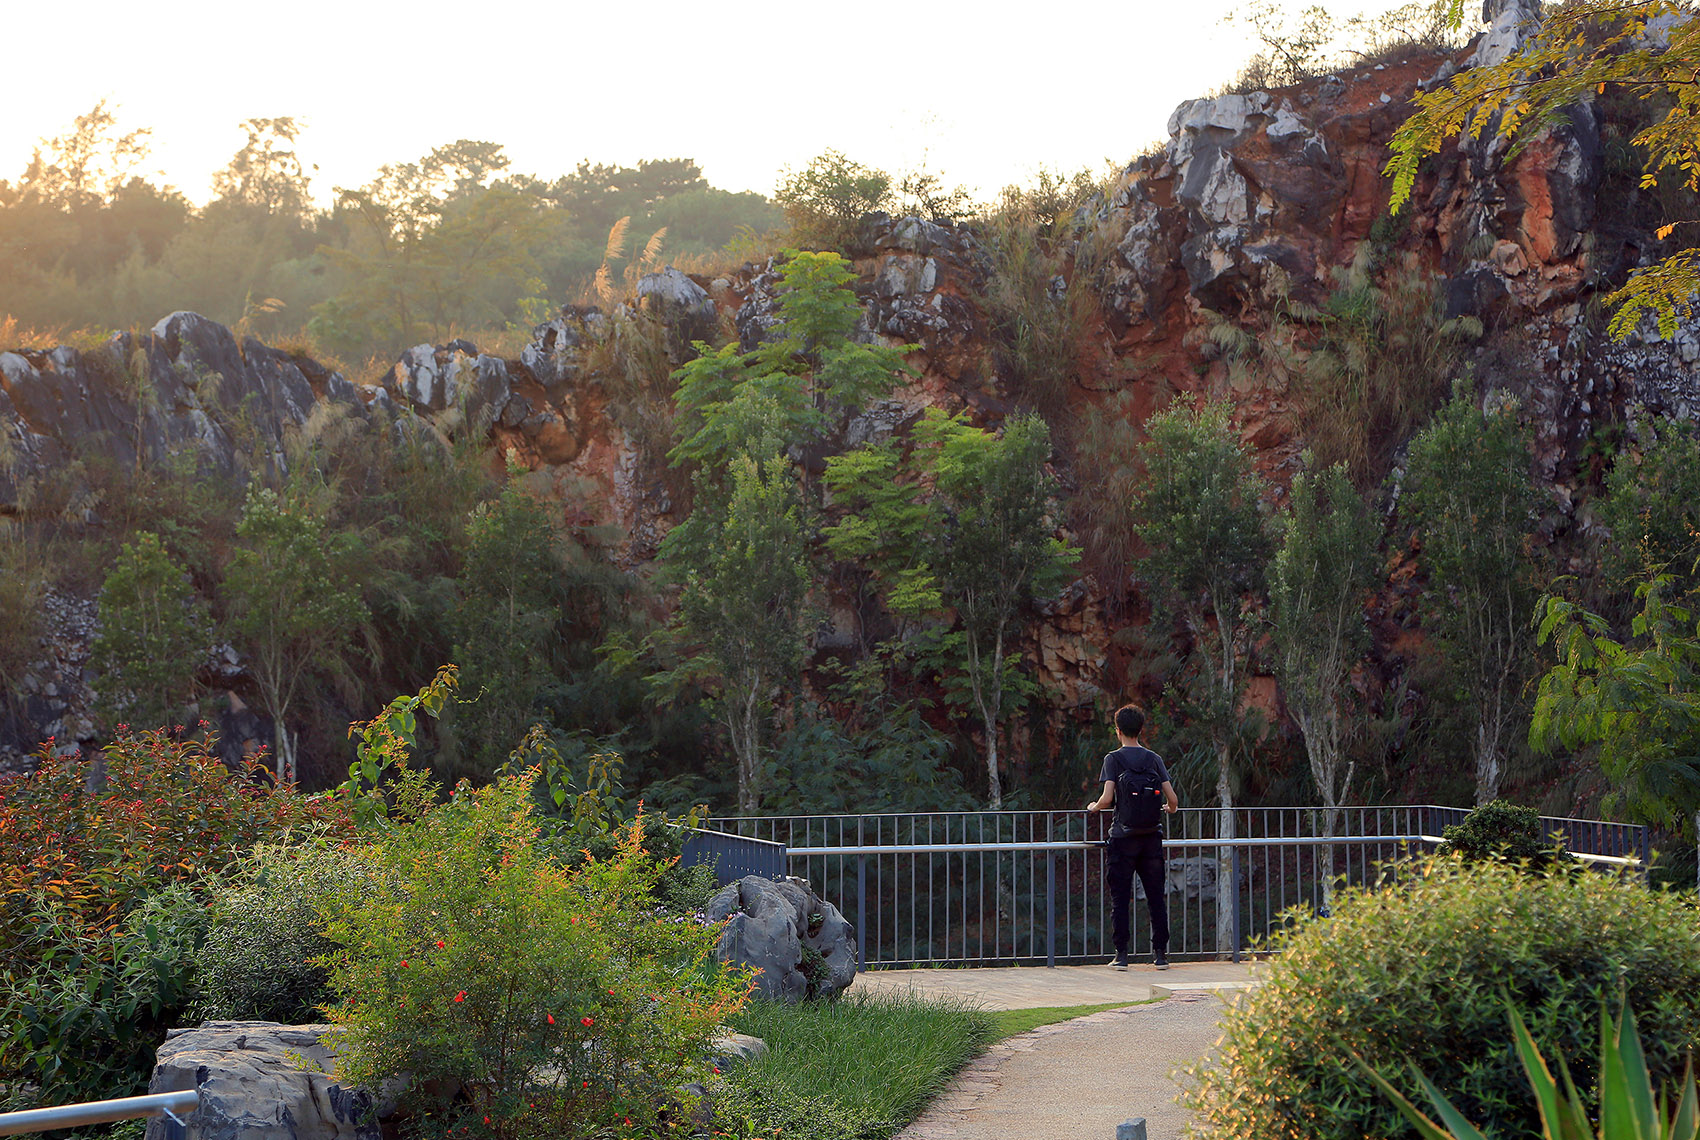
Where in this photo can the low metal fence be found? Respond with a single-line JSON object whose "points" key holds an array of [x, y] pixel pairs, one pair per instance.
{"points": [[62, 1116], [1013, 887]]}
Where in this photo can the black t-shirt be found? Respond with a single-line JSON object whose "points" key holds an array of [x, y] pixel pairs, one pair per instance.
{"points": [[1133, 759]]}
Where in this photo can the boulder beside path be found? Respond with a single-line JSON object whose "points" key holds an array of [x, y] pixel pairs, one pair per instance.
{"points": [[800, 942]]}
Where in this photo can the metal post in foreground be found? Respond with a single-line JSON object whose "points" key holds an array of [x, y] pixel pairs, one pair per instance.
{"points": [[97, 1112]]}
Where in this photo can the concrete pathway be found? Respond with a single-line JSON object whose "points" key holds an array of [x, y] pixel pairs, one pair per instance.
{"points": [[1076, 1080]]}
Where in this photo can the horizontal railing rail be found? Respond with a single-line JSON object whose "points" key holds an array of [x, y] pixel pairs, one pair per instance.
{"points": [[1007, 887], [98, 1112]]}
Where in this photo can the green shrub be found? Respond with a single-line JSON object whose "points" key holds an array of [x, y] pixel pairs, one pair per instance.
{"points": [[826, 199], [521, 1000], [261, 960], [1423, 969], [83, 1021], [1627, 1108], [1501, 830]]}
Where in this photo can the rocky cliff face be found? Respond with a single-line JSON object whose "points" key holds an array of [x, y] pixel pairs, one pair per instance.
{"points": [[1249, 186]]}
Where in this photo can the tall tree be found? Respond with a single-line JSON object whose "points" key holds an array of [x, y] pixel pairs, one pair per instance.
{"points": [[434, 248], [992, 548], [743, 611], [1579, 50], [507, 622], [290, 605], [1652, 508], [1469, 494], [154, 633], [1199, 512], [1318, 581], [267, 173]]}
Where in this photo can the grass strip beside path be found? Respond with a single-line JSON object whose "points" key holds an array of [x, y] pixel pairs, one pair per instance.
{"points": [[859, 1068], [1009, 1022]]}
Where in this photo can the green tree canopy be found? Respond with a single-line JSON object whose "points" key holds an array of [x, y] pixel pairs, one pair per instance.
{"points": [[1652, 507], [1318, 582], [796, 387], [1469, 494], [154, 633], [1637, 700], [290, 605]]}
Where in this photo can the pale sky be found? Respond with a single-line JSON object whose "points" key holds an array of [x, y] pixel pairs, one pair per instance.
{"points": [[985, 93]]}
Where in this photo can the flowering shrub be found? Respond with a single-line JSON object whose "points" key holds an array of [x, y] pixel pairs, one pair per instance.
{"points": [[103, 880], [88, 843], [520, 998]]}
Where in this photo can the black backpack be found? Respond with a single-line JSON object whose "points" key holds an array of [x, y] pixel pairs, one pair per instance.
{"points": [[1139, 801]]}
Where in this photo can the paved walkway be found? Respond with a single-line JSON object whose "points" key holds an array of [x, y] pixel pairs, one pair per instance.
{"points": [[1076, 1080]]}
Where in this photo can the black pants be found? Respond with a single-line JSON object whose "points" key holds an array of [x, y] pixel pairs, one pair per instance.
{"points": [[1141, 855]]}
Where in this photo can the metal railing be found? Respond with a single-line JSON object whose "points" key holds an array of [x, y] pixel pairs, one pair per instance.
{"points": [[1001, 888], [98, 1112]]}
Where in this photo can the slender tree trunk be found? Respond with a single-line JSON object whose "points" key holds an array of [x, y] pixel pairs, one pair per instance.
{"points": [[1225, 856]]}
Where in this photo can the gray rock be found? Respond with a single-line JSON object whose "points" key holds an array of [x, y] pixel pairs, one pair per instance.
{"points": [[1510, 24], [769, 924], [252, 1089], [728, 1049], [680, 303]]}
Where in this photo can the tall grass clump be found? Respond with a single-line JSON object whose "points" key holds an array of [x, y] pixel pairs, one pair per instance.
{"points": [[856, 1069], [1380, 365], [1042, 292], [1423, 969]]}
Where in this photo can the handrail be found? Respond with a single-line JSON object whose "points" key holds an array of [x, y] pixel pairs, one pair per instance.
{"points": [[98, 1112], [1087, 844]]}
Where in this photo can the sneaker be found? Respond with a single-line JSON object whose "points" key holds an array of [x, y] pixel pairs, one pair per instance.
{"points": [[1119, 962], [1161, 961]]}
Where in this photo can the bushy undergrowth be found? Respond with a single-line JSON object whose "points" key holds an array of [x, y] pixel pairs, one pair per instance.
{"points": [[1423, 969], [103, 893], [261, 960], [855, 1069]]}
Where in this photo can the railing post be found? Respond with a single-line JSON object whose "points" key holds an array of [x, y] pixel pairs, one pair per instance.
{"points": [[1234, 875], [861, 914], [1051, 909]]}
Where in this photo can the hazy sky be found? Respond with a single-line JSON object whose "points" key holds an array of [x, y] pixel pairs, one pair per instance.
{"points": [[984, 93]]}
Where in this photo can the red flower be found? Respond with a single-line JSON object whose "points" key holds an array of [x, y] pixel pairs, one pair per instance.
{"points": [[404, 963], [587, 1021], [610, 993], [551, 1018], [587, 1084], [461, 996], [486, 1120], [440, 945]]}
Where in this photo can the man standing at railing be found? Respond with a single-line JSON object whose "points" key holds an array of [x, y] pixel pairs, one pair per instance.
{"points": [[1136, 784]]}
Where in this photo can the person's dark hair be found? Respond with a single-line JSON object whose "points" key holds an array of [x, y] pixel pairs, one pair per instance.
{"points": [[1130, 719]]}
